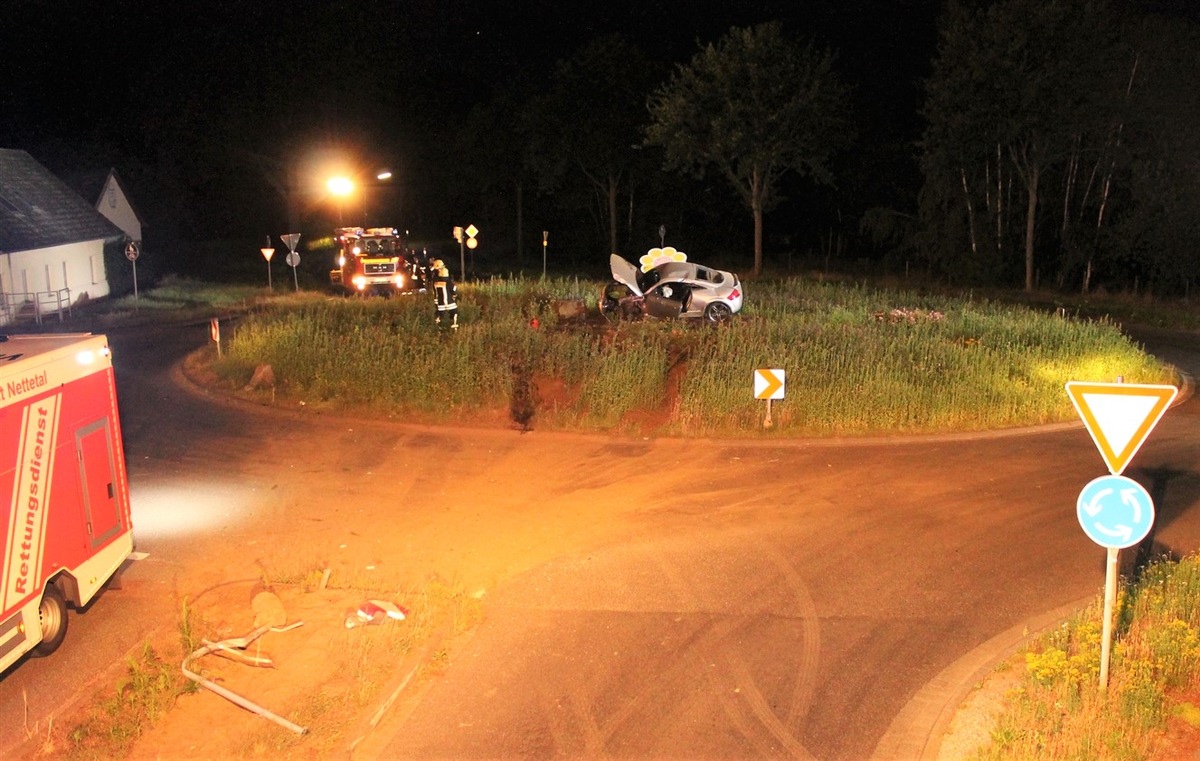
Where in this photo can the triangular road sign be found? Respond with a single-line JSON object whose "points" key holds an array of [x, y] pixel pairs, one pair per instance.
{"points": [[1119, 416]]}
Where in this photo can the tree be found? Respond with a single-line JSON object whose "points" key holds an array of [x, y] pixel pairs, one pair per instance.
{"points": [[753, 107], [1020, 89], [590, 122]]}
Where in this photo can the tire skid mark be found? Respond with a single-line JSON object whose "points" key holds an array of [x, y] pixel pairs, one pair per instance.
{"points": [[734, 710], [810, 654], [582, 725], [761, 707], [721, 629]]}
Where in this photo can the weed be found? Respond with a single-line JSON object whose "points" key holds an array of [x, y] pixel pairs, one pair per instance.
{"points": [[1060, 712]]}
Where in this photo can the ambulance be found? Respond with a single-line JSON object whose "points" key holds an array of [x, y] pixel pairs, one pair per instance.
{"points": [[62, 462]]}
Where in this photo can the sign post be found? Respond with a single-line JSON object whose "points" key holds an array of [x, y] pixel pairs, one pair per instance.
{"points": [[214, 331], [769, 385], [267, 253], [293, 259], [131, 253], [1114, 511], [470, 232]]}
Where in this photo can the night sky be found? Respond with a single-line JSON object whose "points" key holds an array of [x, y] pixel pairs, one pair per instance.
{"points": [[209, 95]]}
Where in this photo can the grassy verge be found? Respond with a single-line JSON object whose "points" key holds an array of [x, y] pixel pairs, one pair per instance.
{"points": [[859, 361], [1058, 710]]}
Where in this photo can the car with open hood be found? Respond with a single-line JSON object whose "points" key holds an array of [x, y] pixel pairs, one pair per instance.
{"points": [[670, 288]]}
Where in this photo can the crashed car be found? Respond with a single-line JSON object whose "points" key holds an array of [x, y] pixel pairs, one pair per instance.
{"points": [[669, 290]]}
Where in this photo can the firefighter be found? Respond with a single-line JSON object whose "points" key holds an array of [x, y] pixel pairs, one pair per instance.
{"points": [[445, 296]]}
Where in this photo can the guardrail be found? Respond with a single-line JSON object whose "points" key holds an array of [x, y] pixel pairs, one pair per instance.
{"points": [[24, 306]]}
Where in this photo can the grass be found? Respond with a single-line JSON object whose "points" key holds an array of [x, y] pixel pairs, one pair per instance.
{"points": [[1058, 711], [859, 361], [149, 688]]}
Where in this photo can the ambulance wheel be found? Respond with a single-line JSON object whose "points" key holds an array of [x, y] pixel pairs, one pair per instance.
{"points": [[52, 614]]}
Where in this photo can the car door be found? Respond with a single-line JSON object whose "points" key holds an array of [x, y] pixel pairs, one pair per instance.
{"points": [[666, 299]]}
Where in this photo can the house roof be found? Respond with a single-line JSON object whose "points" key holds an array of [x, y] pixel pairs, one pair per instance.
{"points": [[38, 210], [91, 186]]}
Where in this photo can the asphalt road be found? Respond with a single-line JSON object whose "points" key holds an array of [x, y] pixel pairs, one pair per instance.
{"points": [[795, 601], [791, 600]]}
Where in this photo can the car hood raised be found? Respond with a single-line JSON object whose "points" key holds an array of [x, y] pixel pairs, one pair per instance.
{"points": [[624, 273]]}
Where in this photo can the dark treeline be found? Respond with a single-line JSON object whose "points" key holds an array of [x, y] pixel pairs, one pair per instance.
{"points": [[1017, 143]]}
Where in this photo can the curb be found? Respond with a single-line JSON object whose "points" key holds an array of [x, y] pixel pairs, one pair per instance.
{"points": [[918, 730]]}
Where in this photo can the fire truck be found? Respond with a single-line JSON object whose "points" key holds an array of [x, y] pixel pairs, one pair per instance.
{"points": [[62, 461], [370, 261]]}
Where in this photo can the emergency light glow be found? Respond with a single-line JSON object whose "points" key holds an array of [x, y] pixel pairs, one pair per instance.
{"points": [[178, 510], [341, 261], [85, 357]]}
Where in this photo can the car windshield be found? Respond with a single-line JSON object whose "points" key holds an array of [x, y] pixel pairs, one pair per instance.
{"points": [[379, 245]]}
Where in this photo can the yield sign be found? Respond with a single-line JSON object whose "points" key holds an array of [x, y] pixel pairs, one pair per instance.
{"points": [[768, 384], [1119, 416]]}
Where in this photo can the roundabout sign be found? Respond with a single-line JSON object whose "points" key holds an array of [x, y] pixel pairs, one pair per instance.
{"points": [[1115, 512]]}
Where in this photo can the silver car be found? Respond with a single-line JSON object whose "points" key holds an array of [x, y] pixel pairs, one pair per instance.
{"points": [[670, 290]]}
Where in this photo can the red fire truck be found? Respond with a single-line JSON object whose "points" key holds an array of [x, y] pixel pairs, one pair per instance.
{"points": [[63, 463], [370, 261]]}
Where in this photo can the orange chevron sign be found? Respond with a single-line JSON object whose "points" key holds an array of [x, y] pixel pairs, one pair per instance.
{"points": [[768, 384], [1119, 416]]}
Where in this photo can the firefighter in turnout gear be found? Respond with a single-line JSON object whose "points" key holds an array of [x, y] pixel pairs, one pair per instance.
{"points": [[445, 296]]}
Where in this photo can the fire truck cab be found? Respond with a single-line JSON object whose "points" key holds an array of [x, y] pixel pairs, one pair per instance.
{"points": [[370, 261]]}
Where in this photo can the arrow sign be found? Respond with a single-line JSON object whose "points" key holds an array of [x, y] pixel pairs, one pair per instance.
{"points": [[1115, 511], [768, 384], [1119, 416]]}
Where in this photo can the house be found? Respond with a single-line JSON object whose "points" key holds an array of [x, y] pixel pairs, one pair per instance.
{"points": [[112, 200], [52, 241]]}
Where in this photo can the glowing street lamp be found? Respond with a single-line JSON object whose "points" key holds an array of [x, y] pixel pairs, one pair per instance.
{"points": [[340, 187]]}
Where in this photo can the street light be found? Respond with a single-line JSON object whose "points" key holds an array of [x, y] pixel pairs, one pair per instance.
{"points": [[340, 187], [382, 176]]}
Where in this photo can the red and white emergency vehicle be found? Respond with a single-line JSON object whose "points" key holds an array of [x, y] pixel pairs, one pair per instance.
{"points": [[370, 260], [63, 464]]}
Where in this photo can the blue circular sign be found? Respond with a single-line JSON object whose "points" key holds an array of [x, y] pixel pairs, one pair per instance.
{"points": [[1115, 511]]}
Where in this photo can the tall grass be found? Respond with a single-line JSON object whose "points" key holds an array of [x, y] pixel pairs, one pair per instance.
{"points": [[858, 361], [1058, 710]]}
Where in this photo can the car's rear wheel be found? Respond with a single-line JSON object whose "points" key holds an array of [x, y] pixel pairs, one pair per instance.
{"points": [[52, 615], [718, 311]]}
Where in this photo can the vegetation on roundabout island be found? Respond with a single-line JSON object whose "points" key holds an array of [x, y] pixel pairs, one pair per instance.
{"points": [[859, 361]]}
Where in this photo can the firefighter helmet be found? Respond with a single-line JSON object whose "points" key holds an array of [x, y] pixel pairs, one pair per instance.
{"points": [[436, 264]]}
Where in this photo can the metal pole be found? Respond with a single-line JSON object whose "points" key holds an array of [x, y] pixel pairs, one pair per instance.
{"points": [[462, 262], [1110, 602]]}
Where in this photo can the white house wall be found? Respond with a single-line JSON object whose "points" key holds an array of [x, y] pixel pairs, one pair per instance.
{"points": [[78, 267], [114, 205]]}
